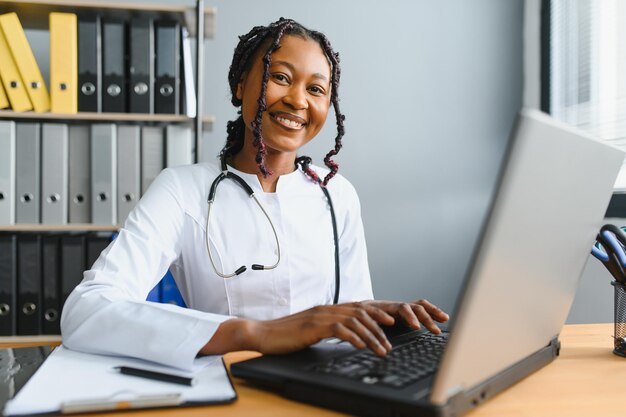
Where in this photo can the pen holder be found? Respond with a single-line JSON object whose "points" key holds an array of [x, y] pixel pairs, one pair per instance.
{"points": [[620, 319]]}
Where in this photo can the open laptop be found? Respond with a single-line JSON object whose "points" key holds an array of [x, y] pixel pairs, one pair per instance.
{"points": [[553, 190]]}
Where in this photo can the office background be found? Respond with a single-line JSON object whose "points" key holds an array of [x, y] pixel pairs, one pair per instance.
{"points": [[430, 90]]}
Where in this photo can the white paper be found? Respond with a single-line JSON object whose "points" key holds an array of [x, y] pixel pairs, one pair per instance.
{"points": [[69, 376]]}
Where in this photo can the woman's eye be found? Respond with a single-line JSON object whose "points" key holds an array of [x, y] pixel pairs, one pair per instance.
{"points": [[280, 78], [316, 90]]}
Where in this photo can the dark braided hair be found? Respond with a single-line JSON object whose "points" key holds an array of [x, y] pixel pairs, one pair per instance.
{"points": [[246, 49]]}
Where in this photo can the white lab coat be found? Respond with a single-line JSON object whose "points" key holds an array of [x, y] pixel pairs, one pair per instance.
{"points": [[107, 313]]}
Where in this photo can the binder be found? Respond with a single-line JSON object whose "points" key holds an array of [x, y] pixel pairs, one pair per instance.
{"points": [[28, 168], [72, 263], [141, 66], [96, 243], [128, 170], [63, 63], [79, 195], [4, 100], [179, 146], [25, 61], [51, 277], [103, 174], [152, 155], [113, 66], [8, 284], [89, 64], [167, 87], [54, 173], [189, 88], [11, 79], [7, 172], [28, 284]]}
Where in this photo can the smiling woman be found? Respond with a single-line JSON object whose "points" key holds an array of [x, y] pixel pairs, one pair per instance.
{"points": [[284, 78], [290, 75]]}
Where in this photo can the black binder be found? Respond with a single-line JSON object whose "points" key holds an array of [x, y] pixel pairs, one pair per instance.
{"points": [[113, 66], [167, 88], [96, 243], [89, 65], [28, 284], [51, 261], [8, 282], [72, 263], [141, 66]]}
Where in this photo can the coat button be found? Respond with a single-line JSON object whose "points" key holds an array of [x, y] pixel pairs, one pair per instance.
{"points": [[282, 301]]}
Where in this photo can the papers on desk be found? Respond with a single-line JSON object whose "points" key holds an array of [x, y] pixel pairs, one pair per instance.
{"points": [[70, 381]]}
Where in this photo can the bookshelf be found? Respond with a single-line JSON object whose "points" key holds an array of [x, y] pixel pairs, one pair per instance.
{"points": [[34, 15]]}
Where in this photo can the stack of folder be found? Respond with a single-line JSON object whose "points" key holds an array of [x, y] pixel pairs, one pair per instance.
{"points": [[38, 271], [99, 65], [55, 173]]}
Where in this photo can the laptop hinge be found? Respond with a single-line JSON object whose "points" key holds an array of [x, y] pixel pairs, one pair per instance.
{"points": [[466, 400]]}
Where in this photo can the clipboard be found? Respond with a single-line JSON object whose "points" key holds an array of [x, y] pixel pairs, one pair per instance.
{"points": [[75, 382]]}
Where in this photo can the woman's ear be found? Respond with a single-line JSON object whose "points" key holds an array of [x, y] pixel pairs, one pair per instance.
{"points": [[239, 92]]}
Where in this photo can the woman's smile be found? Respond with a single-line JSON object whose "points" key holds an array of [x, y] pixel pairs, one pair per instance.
{"points": [[288, 121]]}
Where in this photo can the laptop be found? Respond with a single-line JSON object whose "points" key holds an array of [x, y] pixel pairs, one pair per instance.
{"points": [[17, 365], [553, 189]]}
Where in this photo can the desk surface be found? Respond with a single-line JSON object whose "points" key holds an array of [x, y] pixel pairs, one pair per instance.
{"points": [[587, 379]]}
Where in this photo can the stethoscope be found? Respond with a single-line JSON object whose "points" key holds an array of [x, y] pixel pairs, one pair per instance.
{"points": [[257, 267]]}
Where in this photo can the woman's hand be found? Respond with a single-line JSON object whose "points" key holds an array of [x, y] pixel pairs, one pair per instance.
{"points": [[357, 323]]}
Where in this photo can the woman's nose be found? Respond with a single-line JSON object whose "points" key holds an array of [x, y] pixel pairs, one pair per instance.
{"points": [[296, 98]]}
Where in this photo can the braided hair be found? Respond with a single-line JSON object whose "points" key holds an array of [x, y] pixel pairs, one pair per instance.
{"points": [[246, 49]]}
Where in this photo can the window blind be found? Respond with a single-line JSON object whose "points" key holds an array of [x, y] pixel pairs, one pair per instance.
{"points": [[587, 68]]}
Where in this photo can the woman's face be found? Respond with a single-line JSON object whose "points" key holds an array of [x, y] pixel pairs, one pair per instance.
{"points": [[297, 95]]}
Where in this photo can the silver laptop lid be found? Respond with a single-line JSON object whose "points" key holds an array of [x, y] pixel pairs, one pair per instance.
{"points": [[554, 190]]}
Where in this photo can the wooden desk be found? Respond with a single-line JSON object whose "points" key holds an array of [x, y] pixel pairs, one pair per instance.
{"points": [[586, 380]]}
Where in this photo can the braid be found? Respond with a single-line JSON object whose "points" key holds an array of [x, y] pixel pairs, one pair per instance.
{"points": [[261, 102], [246, 49]]}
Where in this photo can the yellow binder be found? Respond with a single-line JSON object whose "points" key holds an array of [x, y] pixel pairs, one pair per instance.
{"points": [[25, 61], [63, 63], [4, 100], [11, 80]]}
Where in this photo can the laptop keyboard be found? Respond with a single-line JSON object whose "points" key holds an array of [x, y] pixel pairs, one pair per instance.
{"points": [[405, 364]]}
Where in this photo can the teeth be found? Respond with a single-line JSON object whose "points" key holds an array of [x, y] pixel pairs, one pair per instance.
{"points": [[288, 122]]}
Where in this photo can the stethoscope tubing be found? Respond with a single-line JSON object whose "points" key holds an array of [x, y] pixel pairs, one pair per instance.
{"points": [[211, 199]]}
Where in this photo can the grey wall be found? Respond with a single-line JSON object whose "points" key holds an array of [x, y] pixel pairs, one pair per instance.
{"points": [[430, 90]]}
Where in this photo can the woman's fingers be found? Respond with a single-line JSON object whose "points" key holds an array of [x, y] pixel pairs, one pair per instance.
{"points": [[434, 311], [371, 339], [424, 317]]}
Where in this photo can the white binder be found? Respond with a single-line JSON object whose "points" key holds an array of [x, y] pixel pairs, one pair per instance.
{"points": [[179, 146], [54, 173], [128, 170], [152, 155], [103, 174], [28, 169], [80, 175], [7, 172]]}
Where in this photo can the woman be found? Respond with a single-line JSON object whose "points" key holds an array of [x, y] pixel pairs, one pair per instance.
{"points": [[284, 77]]}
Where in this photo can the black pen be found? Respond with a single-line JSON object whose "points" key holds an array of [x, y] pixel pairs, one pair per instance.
{"points": [[158, 376]]}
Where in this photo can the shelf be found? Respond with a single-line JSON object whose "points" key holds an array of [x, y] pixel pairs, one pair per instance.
{"points": [[34, 13], [35, 340], [76, 227], [99, 117]]}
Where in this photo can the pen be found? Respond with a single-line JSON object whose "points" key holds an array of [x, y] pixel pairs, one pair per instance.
{"points": [[158, 376]]}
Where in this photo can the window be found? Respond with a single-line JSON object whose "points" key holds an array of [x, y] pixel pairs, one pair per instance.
{"points": [[584, 78]]}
